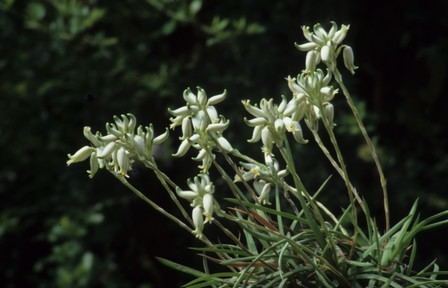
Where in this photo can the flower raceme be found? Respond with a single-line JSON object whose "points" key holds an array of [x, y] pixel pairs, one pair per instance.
{"points": [[118, 149], [201, 199], [325, 46], [202, 127]]}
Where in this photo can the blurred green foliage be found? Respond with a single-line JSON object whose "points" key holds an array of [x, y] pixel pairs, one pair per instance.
{"points": [[69, 63]]}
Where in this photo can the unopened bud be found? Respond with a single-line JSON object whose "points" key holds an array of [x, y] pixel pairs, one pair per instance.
{"points": [[312, 59], [198, 221], [207, 203], [325, 52], [329, 113], [224, 144], [347, 54]]}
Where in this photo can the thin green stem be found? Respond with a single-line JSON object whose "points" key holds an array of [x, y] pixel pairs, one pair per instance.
{"points": [[368, 140], [279, 208], [352, 193], [153, 204], [165, 180], [287, 156]]}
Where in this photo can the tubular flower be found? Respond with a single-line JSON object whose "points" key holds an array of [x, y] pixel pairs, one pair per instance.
{"points": [[118, 149], [202, 128], [325, 46]]}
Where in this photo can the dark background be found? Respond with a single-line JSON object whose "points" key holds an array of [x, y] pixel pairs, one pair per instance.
{"points": [[65, 64]]}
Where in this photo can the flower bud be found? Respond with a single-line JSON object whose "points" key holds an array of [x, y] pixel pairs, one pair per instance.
{"points": [[279, 126], [282, 173], [264, 195], [312, 59], [186, 194], [194, 137], [347, 54], [123, 161], [207, 203], [224, 144], [139, 143], [187, 130], [291, 107], [217, 98], [267, 139], [106, 151], [328, 111], [183, 148], [94, 166], [198, 221], [325, 52], [212, 114]]}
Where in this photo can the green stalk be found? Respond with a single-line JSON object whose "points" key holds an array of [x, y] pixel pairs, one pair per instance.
{"points": [[287, 156], [279, 208], [368, 140], [165, 180], [153, 204]]}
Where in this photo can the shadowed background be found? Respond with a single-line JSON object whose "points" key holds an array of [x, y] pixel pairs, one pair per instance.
{"points": [[65, 64]]}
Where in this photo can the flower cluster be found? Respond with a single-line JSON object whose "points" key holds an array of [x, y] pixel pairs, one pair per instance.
{"points": [[263, 176], [316, 93], [200, 196], [202, 128], [272, 121], [326, 46], [117, 150]]}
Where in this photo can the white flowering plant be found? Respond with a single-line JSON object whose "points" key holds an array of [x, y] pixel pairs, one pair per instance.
{"points": [[279, 234]]}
